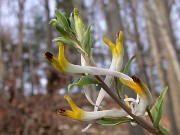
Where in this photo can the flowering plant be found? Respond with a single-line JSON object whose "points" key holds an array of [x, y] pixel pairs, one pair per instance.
{"points": [[74, 33]]}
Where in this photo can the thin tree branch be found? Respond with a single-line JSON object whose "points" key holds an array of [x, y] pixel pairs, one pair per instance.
{"points": [[150, 115]]}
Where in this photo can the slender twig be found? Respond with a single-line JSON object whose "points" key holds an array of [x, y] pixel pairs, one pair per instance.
{"points": [[139, 120], [150, 115]]}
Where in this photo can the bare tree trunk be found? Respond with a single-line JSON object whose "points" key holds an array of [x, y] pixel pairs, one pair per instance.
{"points": [[49, 33], [114, 23], [139, 51], [1, 59], [164, 8], [170, 107], [168, 44], [19, 80], [173, 67], [155, 53], [173, 93], [31, 68], [50, 71], [151, 77], [113, 19], [1, 69], [68, 5]]}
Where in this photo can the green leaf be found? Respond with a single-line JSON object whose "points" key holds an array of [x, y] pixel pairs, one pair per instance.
{"points": [[112, 122], [62, 32], [156, 110], [86, 41], [66, 36], [164, 130], [127, 66], [79, 25], [124, 70], [84, 80], [61, 19], [71, 20]]}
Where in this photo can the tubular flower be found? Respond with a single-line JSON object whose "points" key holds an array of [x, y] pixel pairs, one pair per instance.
{"points": [[144, 98], [116, 50], [116, 63], [117, 58], [64, 66], [59, 63], [81, 115]]}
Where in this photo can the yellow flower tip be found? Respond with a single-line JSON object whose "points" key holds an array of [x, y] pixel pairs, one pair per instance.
{"points": [[119, 36], [54, 61], [67, 97], [71, 103], [108, 42], [61, 49], [136, 85], [119, 43], [127, 102], [126, 96], [115, 49], [63, 62], [76, 112], [60, 43]]}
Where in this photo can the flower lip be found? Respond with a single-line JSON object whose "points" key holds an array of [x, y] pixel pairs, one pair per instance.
{"points": [[61, 110], [117, 34], [49, 55], [135, 79]]}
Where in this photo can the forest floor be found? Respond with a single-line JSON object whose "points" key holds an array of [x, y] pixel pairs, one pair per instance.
{"points": [[37, 115]]}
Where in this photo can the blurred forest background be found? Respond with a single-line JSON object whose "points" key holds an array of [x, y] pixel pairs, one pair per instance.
{"points": [[31, 90]]}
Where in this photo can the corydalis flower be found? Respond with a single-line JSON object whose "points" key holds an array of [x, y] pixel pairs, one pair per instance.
{"points": [[59, 63], [116, 63], [81, 115], [64, 66], [117, 52], [144, 96]]}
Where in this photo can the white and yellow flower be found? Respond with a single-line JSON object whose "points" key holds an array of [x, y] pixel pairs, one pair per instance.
{"points": [[117, 52], [116, 63], [64, 66], [78, 114], [144, 98]]}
